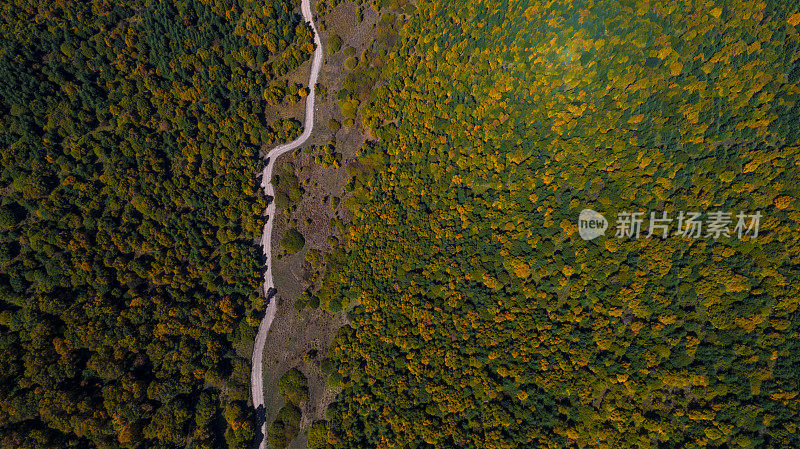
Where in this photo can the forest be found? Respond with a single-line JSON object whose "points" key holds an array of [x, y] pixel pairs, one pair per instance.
{"points": [[480, 319], [129, 273], [130, 135]]}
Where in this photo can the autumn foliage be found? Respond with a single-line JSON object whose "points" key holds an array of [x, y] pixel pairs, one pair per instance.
{"points": [[479, 318]]}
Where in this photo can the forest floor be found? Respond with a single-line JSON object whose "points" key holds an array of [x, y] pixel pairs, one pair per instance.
{"points": [[300, 339]]}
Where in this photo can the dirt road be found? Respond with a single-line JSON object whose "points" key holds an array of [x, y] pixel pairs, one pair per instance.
{"points": [[256, 375]]}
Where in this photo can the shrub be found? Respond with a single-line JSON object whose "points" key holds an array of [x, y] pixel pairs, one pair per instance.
{"points": [[350, 63], [334, 43], [293, 386], [292, 241], [318, 435]]}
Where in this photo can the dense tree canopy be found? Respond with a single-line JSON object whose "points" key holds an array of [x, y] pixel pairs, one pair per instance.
{"points": [[481, 319], [128, 211]]}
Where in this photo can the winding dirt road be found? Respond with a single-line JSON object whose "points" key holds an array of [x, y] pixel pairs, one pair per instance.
{"points": [[256, 375]]}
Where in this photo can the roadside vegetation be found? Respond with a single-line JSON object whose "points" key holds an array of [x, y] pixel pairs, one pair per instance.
{"points": [[293, 388]]}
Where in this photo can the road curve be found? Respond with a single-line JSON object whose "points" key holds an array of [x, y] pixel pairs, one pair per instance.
{"points": [[256, 375]]}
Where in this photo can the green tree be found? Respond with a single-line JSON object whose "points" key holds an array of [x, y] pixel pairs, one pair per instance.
{"points": [[293, 386], [292, 241]]}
